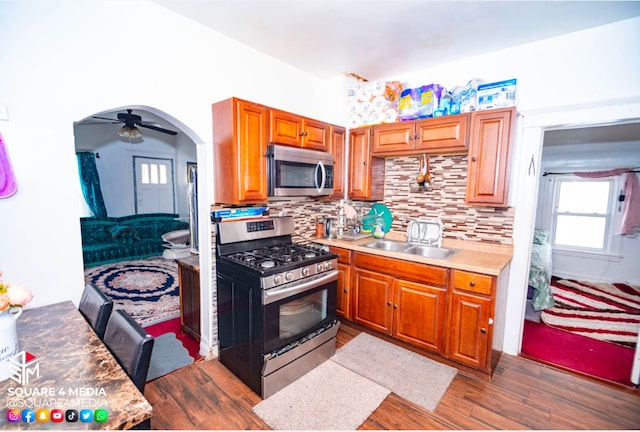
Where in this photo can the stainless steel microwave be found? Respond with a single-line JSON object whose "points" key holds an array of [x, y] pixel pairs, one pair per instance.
{"points": [[293, 171]]}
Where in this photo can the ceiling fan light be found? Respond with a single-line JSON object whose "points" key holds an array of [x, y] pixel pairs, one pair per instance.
{"points": [[130, 133]]}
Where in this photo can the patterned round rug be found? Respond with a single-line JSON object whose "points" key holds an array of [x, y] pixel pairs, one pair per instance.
{"points": [[146, 289]]}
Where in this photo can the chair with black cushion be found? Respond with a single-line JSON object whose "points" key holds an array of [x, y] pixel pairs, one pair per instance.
{"points": [[96, 308], [131, 345]]}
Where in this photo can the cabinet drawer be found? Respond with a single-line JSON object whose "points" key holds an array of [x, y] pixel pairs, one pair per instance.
{"points": [[402, 269], [472, 282], [344, 255]]}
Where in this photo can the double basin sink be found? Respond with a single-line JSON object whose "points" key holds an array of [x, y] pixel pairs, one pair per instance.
{"points": [[413, 249]]}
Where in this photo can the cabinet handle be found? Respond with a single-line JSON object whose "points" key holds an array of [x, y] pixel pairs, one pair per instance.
{"points": [[395, 306], [364, 163], [483, 330], [416, 136], [388, 303], [473, 159], [472, 283], [345, 290]]}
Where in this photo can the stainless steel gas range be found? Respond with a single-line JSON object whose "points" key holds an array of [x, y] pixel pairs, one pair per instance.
{"points": [[276, 302]]}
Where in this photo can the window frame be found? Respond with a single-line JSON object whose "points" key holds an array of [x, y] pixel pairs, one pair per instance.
{"points": [[610, 245]]}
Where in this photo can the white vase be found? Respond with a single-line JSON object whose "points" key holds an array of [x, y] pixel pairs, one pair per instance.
{"points": [[8, 339]]}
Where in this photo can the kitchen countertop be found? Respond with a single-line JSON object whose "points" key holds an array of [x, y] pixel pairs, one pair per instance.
{"points": [[485, 258]]}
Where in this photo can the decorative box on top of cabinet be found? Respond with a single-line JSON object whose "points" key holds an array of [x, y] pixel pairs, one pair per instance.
{"points": [[189, 282]]}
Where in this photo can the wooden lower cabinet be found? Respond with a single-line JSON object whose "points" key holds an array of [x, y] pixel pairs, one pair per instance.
{"points": [[419, 314], [470, 329], [343, 303], [411, 311], [445, 311], [189, 282]]}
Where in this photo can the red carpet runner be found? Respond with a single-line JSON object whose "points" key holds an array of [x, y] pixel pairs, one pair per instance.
{"points": [[583, 354], [173, 326]]}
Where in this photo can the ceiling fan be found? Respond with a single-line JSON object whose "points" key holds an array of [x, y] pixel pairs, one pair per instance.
{"points": [[131, 122]]}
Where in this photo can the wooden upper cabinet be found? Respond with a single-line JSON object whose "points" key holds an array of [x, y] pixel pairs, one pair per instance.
{"points": [[338, 147], [490, 143], [448, 134], [297, 131], [239, 148], [366, 173]]}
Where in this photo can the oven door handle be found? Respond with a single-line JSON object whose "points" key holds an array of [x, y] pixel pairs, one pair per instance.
{"points": [[276, 294]]}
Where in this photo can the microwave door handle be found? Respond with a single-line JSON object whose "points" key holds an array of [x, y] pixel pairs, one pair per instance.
{"points": [[321, 167]]}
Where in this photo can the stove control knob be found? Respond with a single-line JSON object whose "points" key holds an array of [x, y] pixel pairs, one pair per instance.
{"points": [[277, 279], [327, 265], [288, 276], [305, 271], [319, 267]]}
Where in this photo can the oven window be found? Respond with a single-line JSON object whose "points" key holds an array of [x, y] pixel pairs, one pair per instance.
{"points": [[298, 316]]}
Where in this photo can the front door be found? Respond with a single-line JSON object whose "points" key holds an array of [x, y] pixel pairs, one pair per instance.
{"points": [[154, 191]]}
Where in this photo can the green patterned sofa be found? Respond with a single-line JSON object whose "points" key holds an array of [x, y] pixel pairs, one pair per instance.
{"points": [[112, 239]]}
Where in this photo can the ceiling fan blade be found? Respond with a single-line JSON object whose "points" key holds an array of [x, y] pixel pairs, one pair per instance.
{"points": [[156, 127], [105, 118]]}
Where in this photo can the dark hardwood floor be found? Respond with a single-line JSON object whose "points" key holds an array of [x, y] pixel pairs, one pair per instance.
{"points": [[522, 394]]}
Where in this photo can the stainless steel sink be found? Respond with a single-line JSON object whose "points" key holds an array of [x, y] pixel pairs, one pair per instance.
{"points": [[389, 245], [432, 252], [413, 249]]}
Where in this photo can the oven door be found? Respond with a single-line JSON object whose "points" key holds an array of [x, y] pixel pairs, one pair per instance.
{"points": [[299, 172], [293, 311]]}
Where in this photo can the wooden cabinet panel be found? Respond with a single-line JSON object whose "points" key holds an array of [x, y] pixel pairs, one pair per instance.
{"points": [[338, 146], [470, 331], [448, 134], [409, 270], [297, 131], [419, 314], [285, 128], [316, 135], [473, 282], [189, 284], [489, 152], [343, 298], [366, 173], [239, 145], [372, 295], [393, 138]]}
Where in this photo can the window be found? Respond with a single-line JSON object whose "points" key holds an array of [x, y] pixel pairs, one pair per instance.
{"points": [[152, 173], [583, 214]]}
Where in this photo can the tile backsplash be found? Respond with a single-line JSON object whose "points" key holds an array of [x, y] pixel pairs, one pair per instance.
{"points": [[444, 200]]}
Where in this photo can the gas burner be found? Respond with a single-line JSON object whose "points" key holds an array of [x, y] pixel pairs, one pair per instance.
{"points": [[268, 264], [310, 254]]}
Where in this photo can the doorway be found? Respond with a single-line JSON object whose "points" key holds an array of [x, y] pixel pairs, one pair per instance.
{"points": [[533, 128], [154, 185]]}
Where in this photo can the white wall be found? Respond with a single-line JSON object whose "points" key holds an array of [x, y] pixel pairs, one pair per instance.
{"points": [[64, 61]]}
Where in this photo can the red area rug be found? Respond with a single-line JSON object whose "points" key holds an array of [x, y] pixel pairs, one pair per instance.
{"points": [[604, 311], [173, 326], [604, 360]]}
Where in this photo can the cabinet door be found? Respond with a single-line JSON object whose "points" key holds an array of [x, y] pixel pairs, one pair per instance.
{"points": [[189, 284], [393, 138], [285, 128], [372, 295], [252, 146], [419, 315], [315, 135], [489, 148], [470, 331], [343, 304], [366, 173], [338, 145], [448, 134]]}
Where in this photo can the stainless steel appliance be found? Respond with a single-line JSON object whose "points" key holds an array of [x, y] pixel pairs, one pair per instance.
{"points": [[276, 302], [295, 171]]}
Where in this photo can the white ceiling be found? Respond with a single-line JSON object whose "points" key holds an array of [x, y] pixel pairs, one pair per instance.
{"points": [[379, 39]]}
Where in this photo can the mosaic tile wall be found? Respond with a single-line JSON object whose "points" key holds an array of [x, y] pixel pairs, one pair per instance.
{"points": [[444, 200]]}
